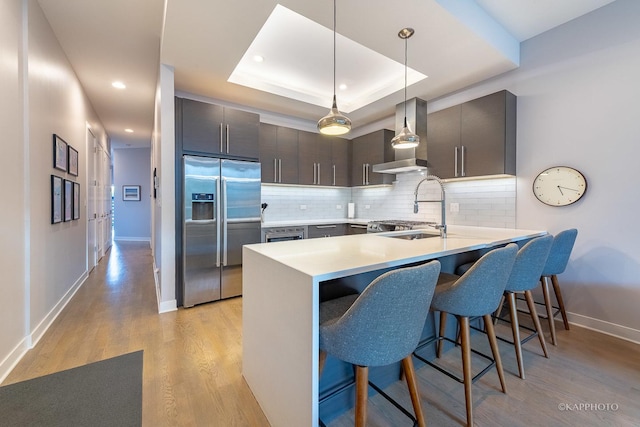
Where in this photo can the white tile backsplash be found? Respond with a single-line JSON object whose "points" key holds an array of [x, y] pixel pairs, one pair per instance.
{"points": [[483, 202]]}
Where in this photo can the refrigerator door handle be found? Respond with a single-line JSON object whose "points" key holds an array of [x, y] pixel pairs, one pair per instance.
{"points": [[218, 224], [224, 221]]}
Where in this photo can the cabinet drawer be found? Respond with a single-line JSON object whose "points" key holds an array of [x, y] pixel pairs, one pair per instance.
{"points": [[326, 230]]}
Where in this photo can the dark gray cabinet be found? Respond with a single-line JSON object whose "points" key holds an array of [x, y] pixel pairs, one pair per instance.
{"points": [[356, 229], [205, 128], [326, 230], [368, 150], [278, 154], [322, 160], [476, 138]]}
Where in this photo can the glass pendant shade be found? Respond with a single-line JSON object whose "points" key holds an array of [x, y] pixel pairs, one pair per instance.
{"points": [[334, 123], [405, 139]]}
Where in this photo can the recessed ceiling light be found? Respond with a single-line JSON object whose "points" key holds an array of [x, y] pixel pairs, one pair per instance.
{"points": [[128, 130], [118, 85], [258, 58], [343, 86]]}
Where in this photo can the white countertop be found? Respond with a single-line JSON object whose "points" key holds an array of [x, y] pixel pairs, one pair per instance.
{"points": [[341, 256]]}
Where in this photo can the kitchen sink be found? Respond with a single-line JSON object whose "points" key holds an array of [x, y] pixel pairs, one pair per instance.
{"points": [[413, 236]]}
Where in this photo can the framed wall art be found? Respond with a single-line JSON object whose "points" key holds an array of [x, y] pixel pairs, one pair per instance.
{"points": [[59, 153], [56, 199], [72, 167], [76, 200], [131, 193], [68, 200]]}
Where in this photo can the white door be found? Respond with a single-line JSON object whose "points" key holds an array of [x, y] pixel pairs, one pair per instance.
{"points": [[92, 256]]}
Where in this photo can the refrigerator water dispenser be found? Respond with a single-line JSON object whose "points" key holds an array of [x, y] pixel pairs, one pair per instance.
{"points": [[202, 206]]}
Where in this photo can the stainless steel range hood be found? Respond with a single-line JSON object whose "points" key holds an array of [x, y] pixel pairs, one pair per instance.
{"points": [[413, 159]]}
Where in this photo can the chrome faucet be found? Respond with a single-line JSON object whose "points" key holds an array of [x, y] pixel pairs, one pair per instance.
{"points": [[442, 227]]}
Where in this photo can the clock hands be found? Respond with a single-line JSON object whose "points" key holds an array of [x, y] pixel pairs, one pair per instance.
{"points": [[566, 188]]}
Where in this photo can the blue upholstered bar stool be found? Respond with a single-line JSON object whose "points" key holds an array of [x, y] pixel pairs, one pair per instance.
{"points": [[556, 264], [530, 261], [475, 293], [379, 327]]}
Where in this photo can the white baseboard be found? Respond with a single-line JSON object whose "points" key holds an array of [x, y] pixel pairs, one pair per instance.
{"points": [[132, 239], [608, 328], [41, 328], [12, 359], [163, 306], [29, 341]]}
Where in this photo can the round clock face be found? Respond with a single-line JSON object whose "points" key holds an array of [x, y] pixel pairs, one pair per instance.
{"points": [[559, 186]]}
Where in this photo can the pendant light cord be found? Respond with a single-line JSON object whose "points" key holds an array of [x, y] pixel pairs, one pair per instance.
{"points": [[405, 82], [334, 49]]}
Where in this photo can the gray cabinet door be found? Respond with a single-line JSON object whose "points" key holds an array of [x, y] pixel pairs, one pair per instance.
{"points": [[340, 162], [307, 158], [200, 126], [287, 155], [368, 150], [443, 139], [241, 133], [268, 153]]}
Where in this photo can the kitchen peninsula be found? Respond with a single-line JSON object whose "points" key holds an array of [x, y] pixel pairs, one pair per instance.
{"points": [[281, 297]]}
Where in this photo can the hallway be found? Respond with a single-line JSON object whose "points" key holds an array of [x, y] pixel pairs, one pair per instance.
{"points": [[192, 358]]}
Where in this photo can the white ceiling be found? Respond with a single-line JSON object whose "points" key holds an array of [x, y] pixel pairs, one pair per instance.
{"points": [[456, 44]]}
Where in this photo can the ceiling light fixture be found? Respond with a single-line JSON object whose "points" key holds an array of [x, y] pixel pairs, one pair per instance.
{"points": [[406, 138], [128, 130], [334, 123], [118, 85]]}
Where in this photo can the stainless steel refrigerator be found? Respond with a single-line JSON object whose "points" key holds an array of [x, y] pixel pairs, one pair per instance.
{"points": [[221, 213]]}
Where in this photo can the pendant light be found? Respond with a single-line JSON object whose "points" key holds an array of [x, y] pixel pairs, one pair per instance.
{"points": [[334, 123], [406, 138]]}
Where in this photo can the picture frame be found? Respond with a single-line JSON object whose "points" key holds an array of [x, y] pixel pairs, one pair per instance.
{"points": [[68, 200], [56, 199], [60, 153], [131, 193], [76, 201], [72, 157]]}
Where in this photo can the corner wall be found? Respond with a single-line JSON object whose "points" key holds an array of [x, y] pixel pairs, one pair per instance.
{"points": [[132, 219]]}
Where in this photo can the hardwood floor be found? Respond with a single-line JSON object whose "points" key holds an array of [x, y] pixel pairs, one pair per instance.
{"points": [[192, 363]]}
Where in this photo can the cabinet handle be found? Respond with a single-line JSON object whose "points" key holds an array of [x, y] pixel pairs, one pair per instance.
{"points": [[363, 174], [358, 226], [334, 174], [326, 226], [275, 170], [455, 161], [315, 181], [221, 137], [227, 139], [462, 151], [367, 170], [318, 173], [280, 170]]}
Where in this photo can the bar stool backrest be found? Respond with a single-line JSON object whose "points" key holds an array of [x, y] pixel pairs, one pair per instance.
{"points": [[530, 261], [560, 252], [385, 322]]}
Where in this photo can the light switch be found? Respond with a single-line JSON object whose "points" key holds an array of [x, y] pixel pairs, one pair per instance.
{"points": [[338, 206]]}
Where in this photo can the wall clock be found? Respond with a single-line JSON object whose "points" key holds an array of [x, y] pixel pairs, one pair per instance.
{"points": [[559, 186]]}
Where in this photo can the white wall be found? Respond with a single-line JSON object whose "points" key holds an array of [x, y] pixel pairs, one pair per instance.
{"points": [[132, 219], [14, 164], [578, 93], [43, 264]]}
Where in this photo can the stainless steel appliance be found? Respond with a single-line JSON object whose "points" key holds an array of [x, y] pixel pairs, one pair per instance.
{"points": [[280, 234], [381, 226], [221, 213]]}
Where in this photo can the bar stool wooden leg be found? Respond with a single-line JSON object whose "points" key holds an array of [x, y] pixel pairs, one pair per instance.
{"points": [[515, 329], [494, 349], [536, 321], [443, 327], [547, 303], [466, 367], [321, 359], [499, 310], [362, 383], [410, 376], [556, 289]]}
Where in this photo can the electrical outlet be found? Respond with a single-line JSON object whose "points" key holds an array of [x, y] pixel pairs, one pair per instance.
{"points": [[454, 207], [367, 206], [338, 206], [303, 207]]}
